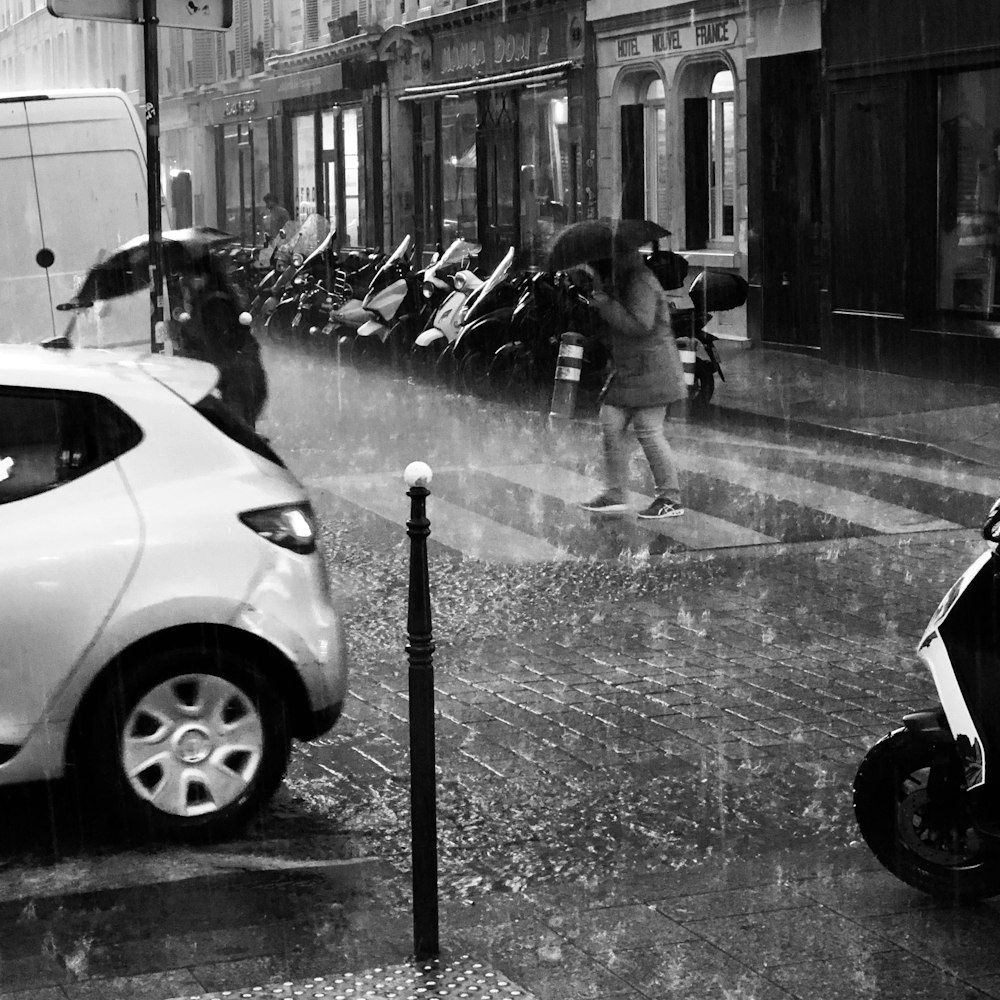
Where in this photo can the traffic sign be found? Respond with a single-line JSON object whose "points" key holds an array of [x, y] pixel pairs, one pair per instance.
{"points": [[210, 15]]}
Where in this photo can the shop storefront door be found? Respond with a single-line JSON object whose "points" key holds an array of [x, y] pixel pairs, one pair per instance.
{"points": [[791, 263], [498, 156], [241, 190]]}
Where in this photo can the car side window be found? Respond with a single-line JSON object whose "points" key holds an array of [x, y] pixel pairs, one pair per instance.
{"points": [[50, 437]]}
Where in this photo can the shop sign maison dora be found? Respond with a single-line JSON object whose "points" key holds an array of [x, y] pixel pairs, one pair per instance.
{"points": [[501, 47]]}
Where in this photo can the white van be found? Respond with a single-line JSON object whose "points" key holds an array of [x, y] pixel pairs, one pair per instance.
{"points": [[73, 170]]}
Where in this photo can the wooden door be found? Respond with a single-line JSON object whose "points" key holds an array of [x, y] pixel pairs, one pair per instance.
{"points": [[790, 190]]}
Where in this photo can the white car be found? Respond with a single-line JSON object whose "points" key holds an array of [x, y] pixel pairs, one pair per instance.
{"points": [[165, 624]]}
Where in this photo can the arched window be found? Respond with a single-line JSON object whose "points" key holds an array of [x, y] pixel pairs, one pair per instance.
{"points": [[722, 157], [709, 156], [645, 180], [657, 177]]}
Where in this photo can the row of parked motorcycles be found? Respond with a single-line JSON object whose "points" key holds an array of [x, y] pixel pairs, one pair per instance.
{"points": [[495, 333]]}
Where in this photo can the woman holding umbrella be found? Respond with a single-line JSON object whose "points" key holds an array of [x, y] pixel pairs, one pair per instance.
{"points": [[647, 377]]}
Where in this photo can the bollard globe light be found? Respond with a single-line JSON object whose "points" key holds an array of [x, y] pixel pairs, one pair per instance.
{"points": [[418, 474]]}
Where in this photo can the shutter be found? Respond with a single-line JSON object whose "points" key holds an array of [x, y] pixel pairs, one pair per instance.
{"points": [[204, 57], [696, 169], [310, 16], [268, 27], [336, 8], [176, 62], [633, 204], [243, 37], [364, 12]]}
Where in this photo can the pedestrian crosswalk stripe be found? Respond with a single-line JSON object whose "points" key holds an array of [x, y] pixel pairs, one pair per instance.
{"points": [[473, 534], [950, 476], [878, 515], [694, 530]]}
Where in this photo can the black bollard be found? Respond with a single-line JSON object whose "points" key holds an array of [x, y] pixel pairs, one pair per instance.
{"points": [[420, 650]]}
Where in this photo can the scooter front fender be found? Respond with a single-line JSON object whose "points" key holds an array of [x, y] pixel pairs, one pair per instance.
{"points": [[930, 725], [373, 328], [428, 337]]}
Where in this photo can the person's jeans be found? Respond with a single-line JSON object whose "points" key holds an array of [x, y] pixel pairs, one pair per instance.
{"points": [[647, 422]]}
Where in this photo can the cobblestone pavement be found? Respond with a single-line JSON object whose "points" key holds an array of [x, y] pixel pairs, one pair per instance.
{"points": [[643, 792]]}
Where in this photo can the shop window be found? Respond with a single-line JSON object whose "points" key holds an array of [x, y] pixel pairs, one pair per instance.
{"points": [[343, 202], [353, 180], [969, 192], [304, 165], [710, 164], [547, 195], [458, 168]]}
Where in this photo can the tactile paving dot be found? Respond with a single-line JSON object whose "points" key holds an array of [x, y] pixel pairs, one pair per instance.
{"points": [[463, 979]]}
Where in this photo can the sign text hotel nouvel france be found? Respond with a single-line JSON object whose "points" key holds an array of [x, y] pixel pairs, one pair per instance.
{"points": [[213, 15], [676, 39]]}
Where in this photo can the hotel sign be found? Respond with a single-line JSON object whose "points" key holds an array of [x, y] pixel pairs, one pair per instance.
{"points": [[679, 39]]}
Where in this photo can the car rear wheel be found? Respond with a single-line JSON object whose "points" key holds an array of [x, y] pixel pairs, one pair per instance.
{"points": [[186, 745]]}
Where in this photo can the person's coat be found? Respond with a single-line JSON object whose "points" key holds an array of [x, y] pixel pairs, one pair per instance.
{"points": [[646, 366]]}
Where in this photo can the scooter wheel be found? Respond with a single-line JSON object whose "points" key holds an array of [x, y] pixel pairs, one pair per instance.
{"points": [[474, 374], [923, 843]]}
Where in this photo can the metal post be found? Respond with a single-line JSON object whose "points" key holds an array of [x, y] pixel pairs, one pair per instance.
{"points": [[153, 194], [420, 650]]}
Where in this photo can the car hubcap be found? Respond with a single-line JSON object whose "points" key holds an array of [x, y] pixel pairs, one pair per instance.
{"points": [[192, 745]]}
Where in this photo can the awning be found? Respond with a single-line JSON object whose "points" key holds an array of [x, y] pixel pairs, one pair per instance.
{"points": [[537, 74]]}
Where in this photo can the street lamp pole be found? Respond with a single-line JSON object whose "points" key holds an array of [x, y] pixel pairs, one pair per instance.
{"points": [[151, 62]]}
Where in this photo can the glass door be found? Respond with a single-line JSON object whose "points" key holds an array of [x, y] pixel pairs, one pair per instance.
{"points": [[499, 173]]}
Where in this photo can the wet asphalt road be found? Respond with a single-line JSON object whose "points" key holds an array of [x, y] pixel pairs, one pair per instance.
{"points": [[635, 718]]}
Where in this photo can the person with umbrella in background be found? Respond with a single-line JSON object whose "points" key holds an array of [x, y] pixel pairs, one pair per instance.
{"points": [[208, 321], [647, 374]]}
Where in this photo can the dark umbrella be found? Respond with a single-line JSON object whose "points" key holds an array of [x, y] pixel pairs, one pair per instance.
{"points": [[126, 270], [600, 239]]}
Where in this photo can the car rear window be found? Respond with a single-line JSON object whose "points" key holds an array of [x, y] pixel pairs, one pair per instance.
{"points": [[223, 419], [49, 437]]}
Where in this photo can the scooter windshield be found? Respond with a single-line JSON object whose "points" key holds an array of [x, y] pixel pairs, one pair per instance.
{"points": [[459, 250], [480, 295], [322, 248]]}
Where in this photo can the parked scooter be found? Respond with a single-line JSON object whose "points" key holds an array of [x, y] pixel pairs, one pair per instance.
{"points": [[692, 309], [482, 320], [528, 353], [925, 797], [283, 305], [446, 323], [387, 291]]}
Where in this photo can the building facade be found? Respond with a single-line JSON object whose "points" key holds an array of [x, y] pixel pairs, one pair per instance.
{"points": [[671, 136], [489, 99], [913, 198]]}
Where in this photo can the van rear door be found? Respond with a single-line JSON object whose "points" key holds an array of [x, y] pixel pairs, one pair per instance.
{"points": [[85, 194], [23, 286]]}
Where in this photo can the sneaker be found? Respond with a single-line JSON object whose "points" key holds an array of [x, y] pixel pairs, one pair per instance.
{"points": [[605, 504], [661, 508]]}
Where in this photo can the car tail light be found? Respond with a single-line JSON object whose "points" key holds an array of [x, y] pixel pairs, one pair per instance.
{"points": [[292, 526]]}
